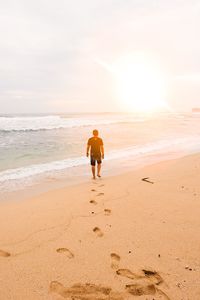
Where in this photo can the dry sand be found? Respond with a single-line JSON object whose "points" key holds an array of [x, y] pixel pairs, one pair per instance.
{"points": [[114, 238]]}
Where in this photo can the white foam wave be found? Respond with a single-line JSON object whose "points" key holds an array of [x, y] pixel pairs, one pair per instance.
{"points": [[182, 144], [56, 122], [32, 170]]}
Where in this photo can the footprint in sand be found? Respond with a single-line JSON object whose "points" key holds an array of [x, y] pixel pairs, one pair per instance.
{"points": [[4, 253], [98, 231], [84, 292], [115, 259], [107, 212], [101, 185], [140, 289], [93, 202], [97, 292], [128, 274], [66, 251], [146, 285], [153, 276], [100, 194], [93, 190]]}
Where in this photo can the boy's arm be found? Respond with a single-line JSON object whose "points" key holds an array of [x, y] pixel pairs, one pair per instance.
{"points": [[102, 151], [87, 150]]}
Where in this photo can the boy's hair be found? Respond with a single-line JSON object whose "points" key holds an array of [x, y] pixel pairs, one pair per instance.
{"points": [[95, 132]]}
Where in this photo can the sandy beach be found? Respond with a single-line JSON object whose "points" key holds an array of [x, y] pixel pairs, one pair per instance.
{"points": [[85, 83], [114, 238]]}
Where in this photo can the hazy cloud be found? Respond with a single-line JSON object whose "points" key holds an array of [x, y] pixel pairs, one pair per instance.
{"points": [[48, 50]]}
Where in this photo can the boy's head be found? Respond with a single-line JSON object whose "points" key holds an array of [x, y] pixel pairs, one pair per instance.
{"points": [[95, 132]]}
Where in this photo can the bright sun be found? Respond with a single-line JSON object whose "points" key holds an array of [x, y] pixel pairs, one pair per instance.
{"points": [[140, 84]]}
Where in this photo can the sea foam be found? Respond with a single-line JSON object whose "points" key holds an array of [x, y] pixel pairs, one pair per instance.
{"points": [[57, 122], [191, 144]]}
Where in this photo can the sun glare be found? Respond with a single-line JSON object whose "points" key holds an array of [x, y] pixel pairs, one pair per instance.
{"points": [[140, 84]]}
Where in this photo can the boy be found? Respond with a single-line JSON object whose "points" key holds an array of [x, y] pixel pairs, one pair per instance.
{"points": [[95, 146]]}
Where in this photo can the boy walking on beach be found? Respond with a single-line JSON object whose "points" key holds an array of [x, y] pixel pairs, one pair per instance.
{"points": [[95, 146]]}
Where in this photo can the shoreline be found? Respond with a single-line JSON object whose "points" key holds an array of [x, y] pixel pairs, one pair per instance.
{"points": [[82, 174], [52, 241]]}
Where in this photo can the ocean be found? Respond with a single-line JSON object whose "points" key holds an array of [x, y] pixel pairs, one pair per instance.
{"points": [[45, 149]]}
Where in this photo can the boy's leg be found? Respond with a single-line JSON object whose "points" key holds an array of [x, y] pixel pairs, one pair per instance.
{"points": [[93, 167], [98, 169], [93, 172]]}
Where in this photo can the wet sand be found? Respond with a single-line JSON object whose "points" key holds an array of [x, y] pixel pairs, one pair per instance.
{"points": [[132, 236]]}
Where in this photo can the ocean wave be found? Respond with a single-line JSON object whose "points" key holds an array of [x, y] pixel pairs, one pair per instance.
{"points": [[57, 122], [190, 144], [32, 170]]}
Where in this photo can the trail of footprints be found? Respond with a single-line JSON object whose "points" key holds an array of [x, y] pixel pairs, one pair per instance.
{"points": [[107, 212], [144, 283]]}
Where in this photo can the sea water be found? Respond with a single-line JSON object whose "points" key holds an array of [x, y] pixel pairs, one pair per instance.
{"points": [[49, 148]]}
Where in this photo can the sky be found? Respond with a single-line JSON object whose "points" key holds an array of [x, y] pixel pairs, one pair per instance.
{"points": [[50, 51]]}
